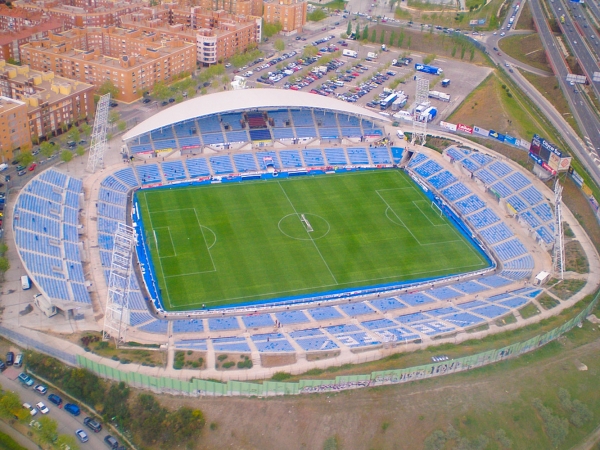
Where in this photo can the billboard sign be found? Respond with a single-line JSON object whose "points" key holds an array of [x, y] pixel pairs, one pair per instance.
{"points": [[481, 131], [464, 128], [554, 161], [500, 137], [511, 140], [564, 164], [448, 126], [493, 134], [536, 145], [576, 177], [549, 169], [428, 69], [536, 158], [481, 22]]}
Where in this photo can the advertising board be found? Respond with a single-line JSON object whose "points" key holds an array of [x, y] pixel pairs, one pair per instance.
{"points": [[464, 128], [448, 126], [481, 131]]}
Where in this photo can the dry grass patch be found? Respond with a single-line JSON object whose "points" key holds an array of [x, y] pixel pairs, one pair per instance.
{"points": [[526, 48], [576, 260], [277, 360]]}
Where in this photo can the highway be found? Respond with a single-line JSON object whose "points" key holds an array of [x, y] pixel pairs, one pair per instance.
{"points": [[574, 26]]}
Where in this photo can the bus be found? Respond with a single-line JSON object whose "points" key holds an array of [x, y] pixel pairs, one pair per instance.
{"points": [[387, 102]]}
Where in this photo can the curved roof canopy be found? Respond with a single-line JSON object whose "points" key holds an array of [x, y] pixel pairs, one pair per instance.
{"points": [[244, 100]]}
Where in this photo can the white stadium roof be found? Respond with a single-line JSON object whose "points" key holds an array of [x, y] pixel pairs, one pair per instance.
{"points": [[244, 100]]}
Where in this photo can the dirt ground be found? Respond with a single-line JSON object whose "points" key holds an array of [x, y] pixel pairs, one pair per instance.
{"points": [[392, 417], [527, 49], [525, 19]]}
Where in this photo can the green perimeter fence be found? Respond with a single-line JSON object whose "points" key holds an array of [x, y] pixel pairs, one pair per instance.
{"points": [[197, 388]]}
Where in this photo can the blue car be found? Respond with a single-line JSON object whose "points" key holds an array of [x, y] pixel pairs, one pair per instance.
{"points": [[72, 409], [55, 399]]}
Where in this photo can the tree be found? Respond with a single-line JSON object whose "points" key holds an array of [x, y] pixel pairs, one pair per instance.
{"points": [[310, 51], [66, 156], [316, 15], [349, 29], [392, 39], [66, 440], [108, 87], [382, 37], [25, 158], [374, 36], [357, 32], [279, 45], [46, 149], [122, 125], [113, 116], [74, 134], [161, 91], [86, 129], [10, 402], [270, 29], [365, 33], [49, 429], [80, 150]]}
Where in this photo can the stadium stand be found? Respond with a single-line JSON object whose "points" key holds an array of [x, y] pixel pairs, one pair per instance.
{"points": [[517, 181], [442, 179], [380, 155], [324, 313], [313, 158], [223, 323], [501, 189], [417, 298], [173, 170], [387, 304], [46, 236], [485, 176], [470, 204], [265, 158], [221, 164], [290, 158], [358, 155], [188, 326], [531, 195], [197, 167], [356, 309], [500, 169], [455, 192], [456, 154], [483, 218], [148, 173], [258, 320], [428, 169], [336, 156], [496, 233], [244, 162], [510, 249]]}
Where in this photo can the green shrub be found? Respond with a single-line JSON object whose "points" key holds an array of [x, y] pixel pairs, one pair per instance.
{"points": [[222, 357], [228, 364], [281, 376]]}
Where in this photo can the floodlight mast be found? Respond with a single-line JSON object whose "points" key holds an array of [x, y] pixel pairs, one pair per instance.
{"points": [[117, 314], [98, 141], [558, 261], [420, 127]]}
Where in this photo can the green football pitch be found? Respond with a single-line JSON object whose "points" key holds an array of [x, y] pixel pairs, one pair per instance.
{"points": [[234, 243]]}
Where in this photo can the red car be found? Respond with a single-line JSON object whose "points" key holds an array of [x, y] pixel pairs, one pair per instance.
{"points": [[32, 166]]}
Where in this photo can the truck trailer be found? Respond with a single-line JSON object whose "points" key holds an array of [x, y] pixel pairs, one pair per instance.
{"points": [[428, 69], [44, 305]]}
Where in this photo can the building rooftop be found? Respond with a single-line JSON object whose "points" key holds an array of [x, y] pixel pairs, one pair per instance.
{"points": [[39, 87], [6, 37], [6, 104]]}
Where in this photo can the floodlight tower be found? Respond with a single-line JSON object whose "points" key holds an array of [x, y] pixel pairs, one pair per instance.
{"points": [[419, 127], [98, 144], [558, 261], [116, 317]]}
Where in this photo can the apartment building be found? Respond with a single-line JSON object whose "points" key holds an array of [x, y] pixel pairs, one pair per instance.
{"points": [[238, 7], [14, 130], [52, 103], [82, 13], [290, 13], [132, 59], [217, 35], [18, 26]]}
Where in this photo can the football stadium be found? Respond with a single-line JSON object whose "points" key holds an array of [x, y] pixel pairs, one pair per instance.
{"points": [[270, 222]]}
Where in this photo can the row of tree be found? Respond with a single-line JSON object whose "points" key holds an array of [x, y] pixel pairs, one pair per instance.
{"points": [[149, 423]]}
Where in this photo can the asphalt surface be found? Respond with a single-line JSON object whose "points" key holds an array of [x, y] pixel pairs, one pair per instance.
{"points": [[67, 424], [582, 111]]}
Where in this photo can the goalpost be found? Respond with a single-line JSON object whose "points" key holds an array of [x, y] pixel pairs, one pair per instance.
{"points": [[435, 206], [306, 223]]}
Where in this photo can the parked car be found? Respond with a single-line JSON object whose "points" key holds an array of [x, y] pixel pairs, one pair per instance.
{"points": [[40, 389], [92, 424], [111, 442], [113, 104], [32, 167], [42, 408], [71, 408], [31, 409], [25, 379], [55, 399], [147, 100], [81, 435], [2, 366], [21, 172], [10, 356]]}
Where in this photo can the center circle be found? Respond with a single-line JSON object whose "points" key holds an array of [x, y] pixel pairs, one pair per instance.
{"points": [[294, 227]]}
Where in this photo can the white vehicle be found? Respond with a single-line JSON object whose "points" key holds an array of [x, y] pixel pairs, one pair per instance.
{"points": [[42, 408], [31, 409], [372, 55], [350, 53], [3, 166], [400, 134], [44, 305], [25, 283]]}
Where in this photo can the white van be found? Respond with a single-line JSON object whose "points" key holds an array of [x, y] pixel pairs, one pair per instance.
{"points": [[25, 282], [338, 83], [3, 166], [18, 360], [400, 134]]}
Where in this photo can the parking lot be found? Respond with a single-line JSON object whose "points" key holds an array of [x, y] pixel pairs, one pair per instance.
{"points": [[361, 79]]}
